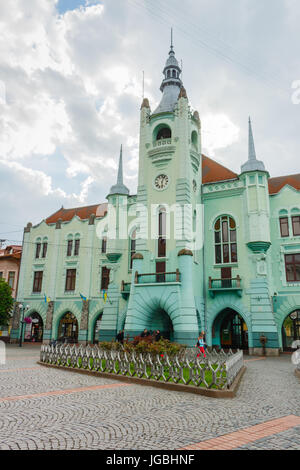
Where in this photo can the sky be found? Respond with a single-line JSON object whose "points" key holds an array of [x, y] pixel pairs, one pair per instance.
{"points": [[71, 89]]}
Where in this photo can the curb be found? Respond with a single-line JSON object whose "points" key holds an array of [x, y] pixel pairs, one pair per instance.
{"points": [[229, 393]]}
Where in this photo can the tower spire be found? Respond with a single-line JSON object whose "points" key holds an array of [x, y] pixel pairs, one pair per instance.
{"points": [[171, 84], [120, 187], [252, 164], [251, 147], [171, 48]]}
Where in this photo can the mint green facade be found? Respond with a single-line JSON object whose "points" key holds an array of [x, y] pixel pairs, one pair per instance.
{"points": [[188, 298]]}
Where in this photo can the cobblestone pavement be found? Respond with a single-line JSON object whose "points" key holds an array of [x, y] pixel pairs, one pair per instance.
{"points": [[43, 408]]}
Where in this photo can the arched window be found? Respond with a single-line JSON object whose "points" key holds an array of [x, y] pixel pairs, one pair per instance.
{"points": [[132, 247], [70, 245], [161, 248], [194, 138], [174, 73], [104, 244], [38, 246], [77, 244], [225, 240], [45, 247], [169, 74], [163, 132]]}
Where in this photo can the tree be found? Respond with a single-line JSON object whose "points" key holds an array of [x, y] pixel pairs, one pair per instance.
{"points": [[6, 302]]}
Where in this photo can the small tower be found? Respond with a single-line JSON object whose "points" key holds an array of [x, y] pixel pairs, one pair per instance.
{"points": [[257, 238], [117, 215], [255, 178]]}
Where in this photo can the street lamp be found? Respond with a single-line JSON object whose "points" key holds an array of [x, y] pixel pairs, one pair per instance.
{"points": [[22, 308]]}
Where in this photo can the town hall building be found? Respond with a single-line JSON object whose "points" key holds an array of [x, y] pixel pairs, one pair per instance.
{"points": [[197, 248]]}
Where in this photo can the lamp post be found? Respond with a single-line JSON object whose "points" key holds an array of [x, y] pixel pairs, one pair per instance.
{"points": [[22, 308]]}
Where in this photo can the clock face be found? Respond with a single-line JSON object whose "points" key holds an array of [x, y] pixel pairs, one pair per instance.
{"points": [[161, 182], [194, 186]]}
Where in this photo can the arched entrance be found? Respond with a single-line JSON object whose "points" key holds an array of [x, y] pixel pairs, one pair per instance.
{"points": [[68, 328], [34, 330], [230, 330], [161, 321], [96, 330], [291, 330]]}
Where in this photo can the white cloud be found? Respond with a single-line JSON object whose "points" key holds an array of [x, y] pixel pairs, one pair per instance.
{"points": [[73, 86], [218, 131]]}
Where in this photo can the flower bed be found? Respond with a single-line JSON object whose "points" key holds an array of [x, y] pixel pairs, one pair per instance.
{"points": [[187, 367]]}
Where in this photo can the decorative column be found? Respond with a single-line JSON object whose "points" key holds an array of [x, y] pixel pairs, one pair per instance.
{"points": [[48, 325], [188, 331], [84, 322]]}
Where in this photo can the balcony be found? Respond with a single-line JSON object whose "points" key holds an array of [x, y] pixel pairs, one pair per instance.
{"points": [[162, 142], [158, 278], [225, 285], [125, 289]]}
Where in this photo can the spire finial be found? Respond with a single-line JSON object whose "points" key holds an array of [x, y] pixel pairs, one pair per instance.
{"points": [[171, 48], [251, 147], [120, 171], [119, 188], [252, 164]]}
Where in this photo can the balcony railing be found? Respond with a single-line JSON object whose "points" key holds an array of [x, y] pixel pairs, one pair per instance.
{"points": [[221, 285], [162, 142], [125, 289], [155, 278]]}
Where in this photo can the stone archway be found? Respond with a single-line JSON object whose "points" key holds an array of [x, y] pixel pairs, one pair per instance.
{"points": [[290, 330], [96, 328], [148, 301], [34, 331], [230, 330], [219, 304], [68, 328]]}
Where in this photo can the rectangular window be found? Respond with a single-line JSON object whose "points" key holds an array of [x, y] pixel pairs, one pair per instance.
{"points": [[225, 231], [11, 278], [38, 250], [296, 225], [161, 247], [105, 278], [104, 242], [1, 274], [292, 267], [132, 250], [70, 280], [233, 252], [44, 252], [76, 249], [225, 253], [160, 268], [284, 226], [218, 254], [37, 281], [70, 246]]}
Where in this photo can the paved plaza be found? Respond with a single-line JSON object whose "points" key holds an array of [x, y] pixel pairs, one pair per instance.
{"points": [[44, 408]]}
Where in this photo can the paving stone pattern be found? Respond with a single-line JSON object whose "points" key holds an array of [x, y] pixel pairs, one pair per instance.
{"points": [[68, 410]]}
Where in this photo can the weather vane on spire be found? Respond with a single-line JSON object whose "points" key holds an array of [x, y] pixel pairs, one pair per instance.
{"points": [[172, 49]]}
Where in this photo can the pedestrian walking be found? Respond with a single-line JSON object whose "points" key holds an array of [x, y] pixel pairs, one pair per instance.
{"points": [[200, 344]]}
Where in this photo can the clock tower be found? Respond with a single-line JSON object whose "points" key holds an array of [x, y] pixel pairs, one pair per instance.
{"points": [[169, 199]]}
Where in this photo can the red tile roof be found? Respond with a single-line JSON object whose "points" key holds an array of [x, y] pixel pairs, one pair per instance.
{"points": [[213, 171], [11, 251], [99, 210], [275, 184]]}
